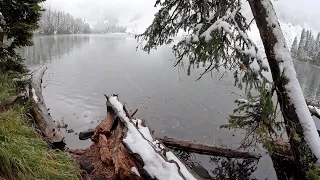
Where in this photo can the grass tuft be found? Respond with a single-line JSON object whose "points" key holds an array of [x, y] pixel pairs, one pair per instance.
{"points": [[7, 87], [24, 155]]}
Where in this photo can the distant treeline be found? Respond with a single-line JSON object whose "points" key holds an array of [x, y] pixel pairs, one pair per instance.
{"points": [[57, 22], [109, 26], [308, 48]]}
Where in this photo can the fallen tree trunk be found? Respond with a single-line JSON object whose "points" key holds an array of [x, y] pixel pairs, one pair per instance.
{"points": [[205, 149], [183, 145], [43, 118], [124, 148]]}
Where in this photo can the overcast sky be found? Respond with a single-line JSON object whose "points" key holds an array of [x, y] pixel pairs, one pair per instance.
{"points": [[298, 11]]}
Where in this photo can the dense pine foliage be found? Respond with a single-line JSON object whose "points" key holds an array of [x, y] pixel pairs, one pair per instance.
{"points": [[57, 22], [307, 48], [18, 21]]}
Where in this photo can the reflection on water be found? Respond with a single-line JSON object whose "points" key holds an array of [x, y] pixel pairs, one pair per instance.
{"points": [[221, 168], [309, 78], [45, 48]]}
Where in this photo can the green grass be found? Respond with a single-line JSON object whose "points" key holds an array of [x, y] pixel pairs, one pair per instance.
{"points": [[24, 155], [7, 86]]}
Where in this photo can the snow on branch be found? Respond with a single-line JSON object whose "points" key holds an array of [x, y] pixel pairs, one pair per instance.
{"points": [[314, 110], [140, 141]]}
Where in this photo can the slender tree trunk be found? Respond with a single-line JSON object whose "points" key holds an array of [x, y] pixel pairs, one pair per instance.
{"points": [[300, 149]]}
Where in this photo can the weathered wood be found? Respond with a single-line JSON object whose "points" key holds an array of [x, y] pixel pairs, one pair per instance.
{"points": [[43, 118], [199, 148], [112, 158]]}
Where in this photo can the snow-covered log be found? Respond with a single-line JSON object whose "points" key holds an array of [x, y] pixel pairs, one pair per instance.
{"points": [[43, 118], [124, 148], [297, 117], [154, 160]]}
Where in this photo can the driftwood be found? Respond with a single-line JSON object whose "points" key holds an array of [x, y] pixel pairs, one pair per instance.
{"points": [[189, 146], [111, 157], [43, 118]]}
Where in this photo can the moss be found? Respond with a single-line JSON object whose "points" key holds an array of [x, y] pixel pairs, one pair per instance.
{"points": [[314, 174], [24, 155]]}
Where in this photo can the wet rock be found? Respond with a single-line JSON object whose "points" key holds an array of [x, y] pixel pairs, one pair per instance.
{"points": [[86, 134], [87, 166]]}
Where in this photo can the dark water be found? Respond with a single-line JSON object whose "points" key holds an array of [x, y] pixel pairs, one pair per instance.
{"points": [[83, 68]]}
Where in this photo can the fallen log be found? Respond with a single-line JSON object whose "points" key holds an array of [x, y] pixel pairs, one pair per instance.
{"points": [[189, 146], [123, 148], [40, 112], [194, 147]]}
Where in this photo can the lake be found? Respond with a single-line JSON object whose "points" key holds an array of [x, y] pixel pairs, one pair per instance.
{"points": [[82, 68]]}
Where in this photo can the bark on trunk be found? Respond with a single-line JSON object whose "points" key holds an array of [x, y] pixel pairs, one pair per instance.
{"points": [[300, 148]]}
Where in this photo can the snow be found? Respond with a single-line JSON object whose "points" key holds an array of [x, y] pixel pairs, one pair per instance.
{"points": [[245, 101], [183, 169], [293, 87], [242, 101], [314, 110], [140, 142], [254, 66], [219, 24], [135, 170], [144, 130], [34, 96]]}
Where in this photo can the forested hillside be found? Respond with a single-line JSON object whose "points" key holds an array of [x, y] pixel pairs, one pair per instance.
{"points": [[57, 22], [307, 48]]}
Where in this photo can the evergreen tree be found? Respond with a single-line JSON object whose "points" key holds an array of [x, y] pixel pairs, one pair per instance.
{"points": [[302, 44], [294, 48], [20, 19], [53, 22], [309, 44], [218, 37], [316, 48]]}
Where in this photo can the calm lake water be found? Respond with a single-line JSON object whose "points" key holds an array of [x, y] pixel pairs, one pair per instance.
{"points": [[81, 68]]}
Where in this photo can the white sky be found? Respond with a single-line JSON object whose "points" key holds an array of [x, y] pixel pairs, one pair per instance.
{"points": [[300, 12]]}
